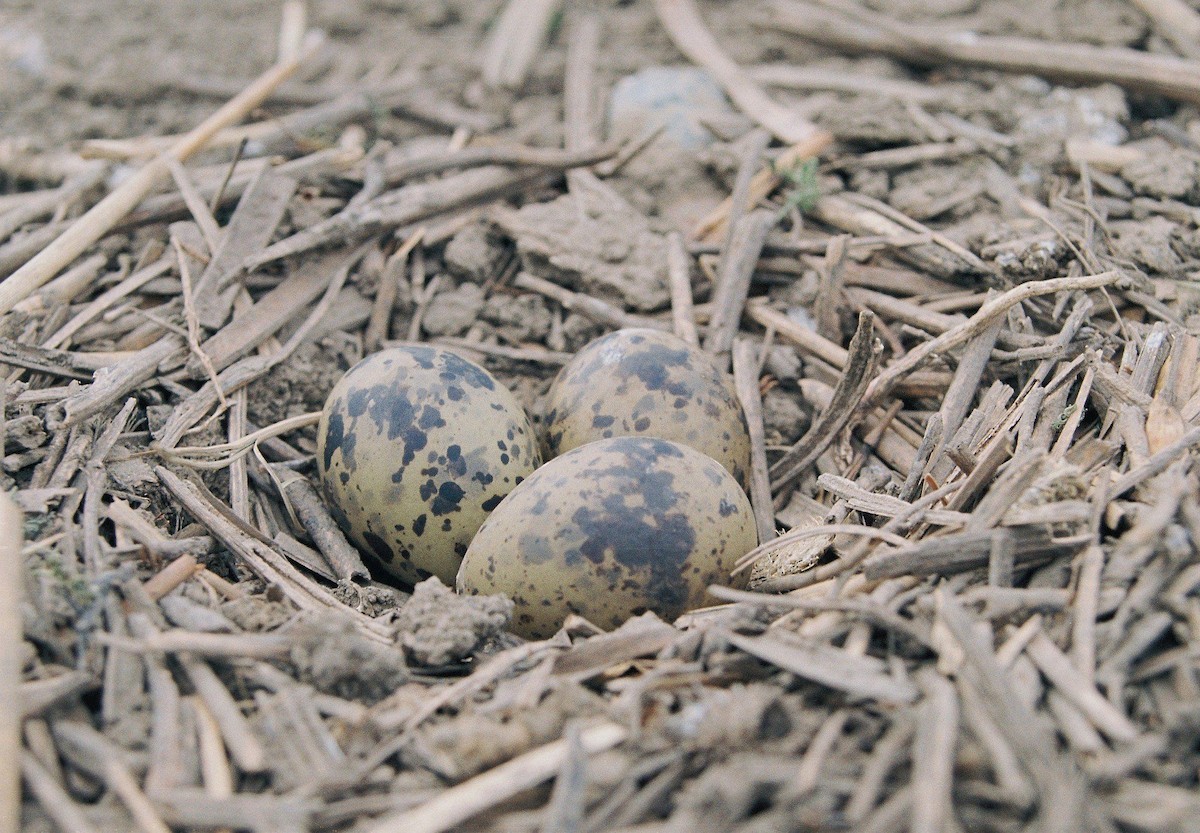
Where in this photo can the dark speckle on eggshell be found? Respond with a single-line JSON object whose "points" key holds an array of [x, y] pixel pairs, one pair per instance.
{"points": [[622, 525], [648, 383], [410, 434]]}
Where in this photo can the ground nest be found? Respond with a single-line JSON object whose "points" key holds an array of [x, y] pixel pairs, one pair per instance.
{"points": [[955, 280]]}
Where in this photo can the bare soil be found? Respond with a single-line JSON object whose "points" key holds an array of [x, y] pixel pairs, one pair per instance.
{"points": [[969, 333]]}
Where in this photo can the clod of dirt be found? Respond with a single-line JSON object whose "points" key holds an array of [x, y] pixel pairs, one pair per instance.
{"points": [[673, 183], [1051, 116], [876, 122], [578, 330], [300, 384], [742, 716], [373, 599], [25, 432], [600, 250], [1163, 172], [473, 254], [452, 313], [784, 418], [438, 627], [474, 742], [518, 318], [257, 614], [332, 657], [1150, 243]]}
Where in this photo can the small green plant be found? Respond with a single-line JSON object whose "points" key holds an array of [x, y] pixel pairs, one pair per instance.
{"points": [[1061, 420], [803, 188], [75, 587]]}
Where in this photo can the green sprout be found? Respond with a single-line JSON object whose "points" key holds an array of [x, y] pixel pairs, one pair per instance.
{"points": [[1061, 419], [803, 189]]}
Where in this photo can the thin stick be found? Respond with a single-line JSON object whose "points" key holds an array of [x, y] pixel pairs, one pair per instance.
{"points": [[745, 376], [683, 23], [55, 801], [385, 295], [1134, 69], [933, 754], [458, 803], [11, 640], [679, 274], [105, 214], [978, 323]]}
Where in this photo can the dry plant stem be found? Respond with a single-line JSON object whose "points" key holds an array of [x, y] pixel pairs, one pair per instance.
{"points": [[803, 337], [410, 204], [587, 306], [733, 283], [790, 76], [1156, 464], [195, 203], [753, 146], [106, 299], [385, 295], [579, 84], [484, 676], [515, 40], [122, 782], [1058, 783], [109, 211], [679, 274], [1164, 75], [245, 371], [244, 746], [856, 556], [258, 324], [1058, 669], [745, 376], [796, 535], [463, 801], [1083, 621], [214, 765], [933, 754], [834, 668], [978, 323], [320, 526], [45, 203], [850, 214], [872, 613], [884, 757], [572, 159], [55, 801], [66, 287], [119, 381], [260, 556], [249, 230], [713, 226], [682, 21], [966, 380], [1176, 21], [12, 579], [847, 396]]}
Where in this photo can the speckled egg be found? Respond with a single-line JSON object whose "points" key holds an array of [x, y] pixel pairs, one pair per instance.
{"points": [[415, 447], [647, 383], [610, 530]]}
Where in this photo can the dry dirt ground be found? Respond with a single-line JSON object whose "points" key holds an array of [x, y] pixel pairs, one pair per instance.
{"points": [[966, 338]]}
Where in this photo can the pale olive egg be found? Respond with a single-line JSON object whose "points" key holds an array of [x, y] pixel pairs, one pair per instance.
{"points": [[647, 383], [610, 530], [415, 447]]}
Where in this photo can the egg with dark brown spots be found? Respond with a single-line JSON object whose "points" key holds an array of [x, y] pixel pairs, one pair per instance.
{"points": [[415, 447], [647, 383], [610, 530]]}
